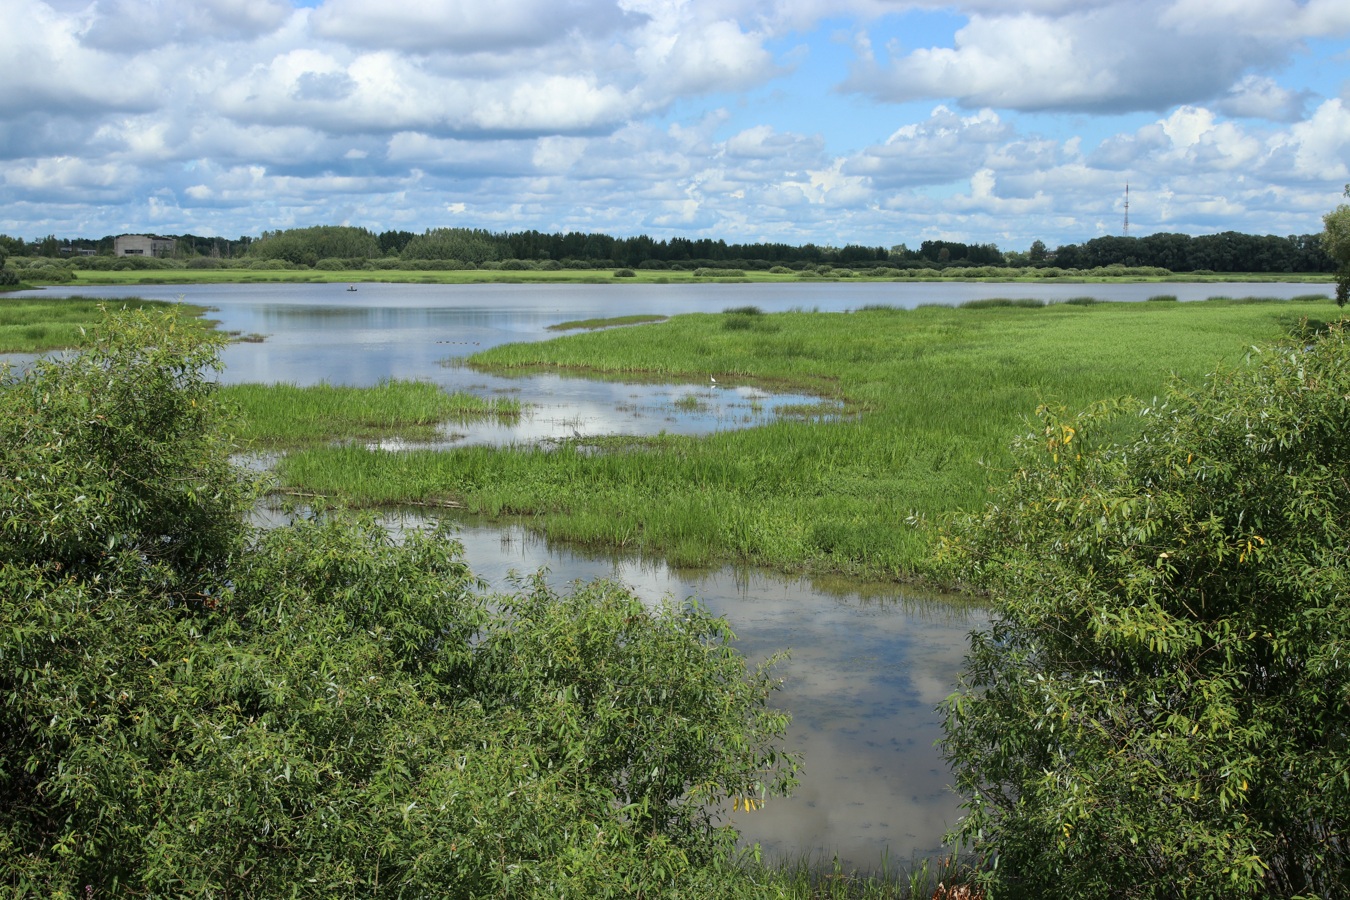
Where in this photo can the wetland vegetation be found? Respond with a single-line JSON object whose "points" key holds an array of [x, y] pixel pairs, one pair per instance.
{"points": [[287, 416], [35, 325], [922, 407]]}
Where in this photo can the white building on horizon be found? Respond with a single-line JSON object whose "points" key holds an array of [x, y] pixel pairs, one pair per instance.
{"points": [[142, 245]]}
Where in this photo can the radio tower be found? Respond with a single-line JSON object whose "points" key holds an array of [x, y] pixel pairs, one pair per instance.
{"points": [[1127, 209]]}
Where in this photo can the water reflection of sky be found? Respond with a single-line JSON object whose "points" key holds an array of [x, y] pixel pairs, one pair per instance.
{"points": [[867, 669], [307, 342]]}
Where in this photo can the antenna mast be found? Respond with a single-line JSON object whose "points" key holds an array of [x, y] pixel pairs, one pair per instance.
{"points": [[1127, 209]]}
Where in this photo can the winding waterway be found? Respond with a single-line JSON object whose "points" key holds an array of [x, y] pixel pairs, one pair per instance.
{"points": [[868, 663]]}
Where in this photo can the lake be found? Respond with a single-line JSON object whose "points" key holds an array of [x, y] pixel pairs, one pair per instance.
{"points": [[869, 662]]}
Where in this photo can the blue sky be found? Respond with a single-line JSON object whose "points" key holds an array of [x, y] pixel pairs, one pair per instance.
{"points": [[831, 121]]}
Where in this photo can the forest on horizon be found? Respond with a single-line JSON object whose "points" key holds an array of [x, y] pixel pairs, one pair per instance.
{"points": [[1227, 251]]}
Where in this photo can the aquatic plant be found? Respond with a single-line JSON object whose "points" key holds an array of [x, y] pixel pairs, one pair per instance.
{"points": [[920, 407]]}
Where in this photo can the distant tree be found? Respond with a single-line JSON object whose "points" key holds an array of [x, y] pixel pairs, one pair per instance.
{"points": [[393, 242], [853, 254], [1336, 244], [306, 246], [1036, 255], [472, 245]]}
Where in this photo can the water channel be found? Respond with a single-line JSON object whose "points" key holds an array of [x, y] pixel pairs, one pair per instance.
{"points": [[869, 663]]}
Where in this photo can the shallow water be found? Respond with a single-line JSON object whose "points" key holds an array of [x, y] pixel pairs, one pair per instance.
{"points": [[323, 332], [868, 666]]}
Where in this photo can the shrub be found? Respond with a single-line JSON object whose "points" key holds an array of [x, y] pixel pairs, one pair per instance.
{"points": [[1335, 240], [624, 273], [49, 274], [1160, 706], [196, 708], [997, 302]]}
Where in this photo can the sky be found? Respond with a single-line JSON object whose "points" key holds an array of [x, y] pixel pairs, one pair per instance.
{"points": [[876, 122]]}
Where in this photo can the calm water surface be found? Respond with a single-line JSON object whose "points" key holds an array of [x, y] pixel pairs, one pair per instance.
{"points": [[868, 665]]}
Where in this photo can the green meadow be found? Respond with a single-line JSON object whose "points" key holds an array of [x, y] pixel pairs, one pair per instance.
{"points": [[285, 416], [920, 409], [35, 325]]}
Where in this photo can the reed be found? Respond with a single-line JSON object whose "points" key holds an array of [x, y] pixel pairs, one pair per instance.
{"points": [[278, 416], [37, 325], [610, 322], [923, 406]]}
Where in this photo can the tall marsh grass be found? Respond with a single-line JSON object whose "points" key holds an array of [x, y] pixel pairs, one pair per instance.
{"points": [[287, 416], [928, 403], [36, 325]]}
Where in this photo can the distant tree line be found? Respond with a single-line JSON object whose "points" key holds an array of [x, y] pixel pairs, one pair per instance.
{"points": [[1229, 251], [334, 246]]}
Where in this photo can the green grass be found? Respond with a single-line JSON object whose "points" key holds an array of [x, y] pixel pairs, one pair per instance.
{"points": [[596, 324], [280, 416], [994, 302], [36, 325], [814, 879], [930, 400]]}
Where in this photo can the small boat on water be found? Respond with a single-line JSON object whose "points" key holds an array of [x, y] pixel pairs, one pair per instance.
{"points": [[351, 287]]}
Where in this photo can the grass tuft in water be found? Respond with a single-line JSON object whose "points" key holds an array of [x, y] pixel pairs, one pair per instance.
{"points": [[596, 324], [1001, 302], [277, 416]]}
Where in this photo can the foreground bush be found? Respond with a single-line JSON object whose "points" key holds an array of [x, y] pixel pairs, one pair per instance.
{"points": [[195, 708], [1161, 706]]}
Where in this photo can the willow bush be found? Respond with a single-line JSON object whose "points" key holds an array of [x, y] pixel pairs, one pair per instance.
{"points": [[1161, 705], [193, 707]]}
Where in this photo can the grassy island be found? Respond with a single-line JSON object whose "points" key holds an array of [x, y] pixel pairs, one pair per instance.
{"points": [[36, 325], [929, 400]]}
